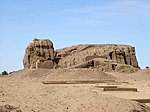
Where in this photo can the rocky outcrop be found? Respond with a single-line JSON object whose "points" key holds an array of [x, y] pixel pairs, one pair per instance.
{"points": [[106, 57], [76, 55], [38, 50]]}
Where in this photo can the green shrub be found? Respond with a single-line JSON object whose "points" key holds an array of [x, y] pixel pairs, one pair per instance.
{"points": [[4, 73], [147, 66]]}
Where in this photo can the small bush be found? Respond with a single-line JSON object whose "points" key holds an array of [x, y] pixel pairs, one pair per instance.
{"points": [[147, 67], [4, 73]]}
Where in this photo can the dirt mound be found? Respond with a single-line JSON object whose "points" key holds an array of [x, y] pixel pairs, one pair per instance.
{"points": [[62, 74], [144, 71], [143, 75], [139, 77]]}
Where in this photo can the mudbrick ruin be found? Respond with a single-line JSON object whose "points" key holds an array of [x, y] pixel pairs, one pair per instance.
{"points": [[80, 78], [106, 57]]}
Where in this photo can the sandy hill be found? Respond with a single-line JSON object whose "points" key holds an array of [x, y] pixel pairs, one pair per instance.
{"points": [[62, 74]]}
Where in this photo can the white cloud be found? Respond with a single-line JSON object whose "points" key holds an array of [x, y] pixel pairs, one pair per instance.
{"points": [[117, 8]]}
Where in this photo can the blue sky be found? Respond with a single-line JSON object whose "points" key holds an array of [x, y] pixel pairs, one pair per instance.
{"points": [[72, 22]]}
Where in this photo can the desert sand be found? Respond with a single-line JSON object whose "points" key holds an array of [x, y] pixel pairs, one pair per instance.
{"points": [[83, 78], [23, 91]]}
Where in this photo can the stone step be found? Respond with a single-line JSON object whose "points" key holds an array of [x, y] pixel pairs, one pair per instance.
{"points": [[106, 86], [116, 83], [142, 100], [115, 88], [120, 89], [78, 82]]}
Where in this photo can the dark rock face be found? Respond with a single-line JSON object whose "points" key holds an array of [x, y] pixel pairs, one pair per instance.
{"points": [[38, 50]]}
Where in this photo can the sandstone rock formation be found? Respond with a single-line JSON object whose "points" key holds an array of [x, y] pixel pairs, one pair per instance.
{"points": [[106, 57], [39, 49]]}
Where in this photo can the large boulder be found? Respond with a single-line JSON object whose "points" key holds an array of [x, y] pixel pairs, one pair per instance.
{"points": [[40, 50], [77, 56]]}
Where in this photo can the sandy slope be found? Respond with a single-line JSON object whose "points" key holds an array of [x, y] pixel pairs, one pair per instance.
{"points": [[62, 74], [32, 96], [140, 77]]}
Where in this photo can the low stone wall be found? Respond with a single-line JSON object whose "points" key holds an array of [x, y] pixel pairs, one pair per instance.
{"points": [[45, 64]]}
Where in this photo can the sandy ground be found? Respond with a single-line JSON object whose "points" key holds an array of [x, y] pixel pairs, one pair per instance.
{"points": [[25, 91]]}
